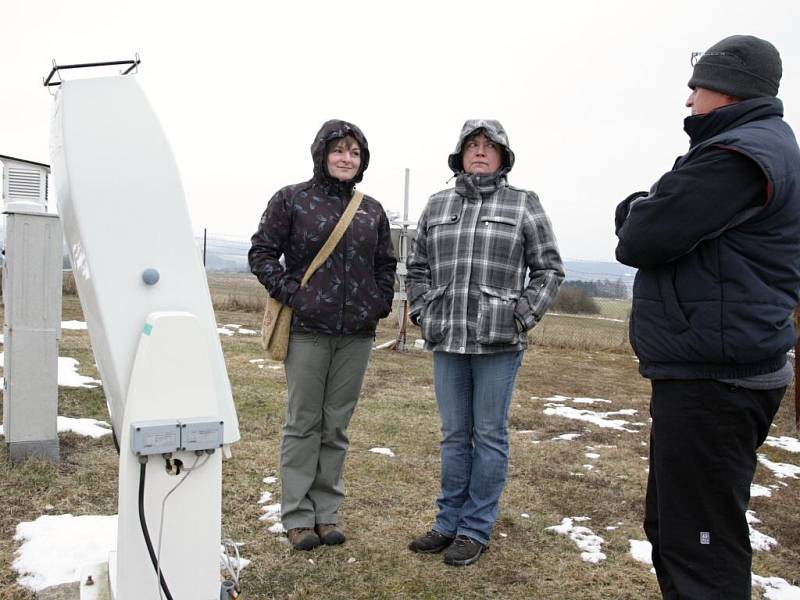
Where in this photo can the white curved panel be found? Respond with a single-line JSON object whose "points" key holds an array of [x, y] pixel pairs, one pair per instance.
{"points": [[123, 211]]}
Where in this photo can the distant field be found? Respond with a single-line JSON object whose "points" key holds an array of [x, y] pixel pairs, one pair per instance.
{"points": [[607, 331]]}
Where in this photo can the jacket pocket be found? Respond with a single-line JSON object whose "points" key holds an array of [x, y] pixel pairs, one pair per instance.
{"points": [[496, 316], [672, 309], [434, 318]]}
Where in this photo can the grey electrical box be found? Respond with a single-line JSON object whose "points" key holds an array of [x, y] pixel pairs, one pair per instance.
{"points": [[155, 437], [201, 433], [31, 328]]}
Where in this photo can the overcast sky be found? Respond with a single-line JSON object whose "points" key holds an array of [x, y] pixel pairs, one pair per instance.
{"points": [[591, 93]]}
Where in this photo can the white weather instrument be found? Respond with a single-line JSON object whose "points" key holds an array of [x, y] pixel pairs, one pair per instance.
{"points": [[145, 298]]}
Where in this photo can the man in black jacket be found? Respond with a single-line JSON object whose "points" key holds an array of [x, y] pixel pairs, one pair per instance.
{"points": [[717, 245]]}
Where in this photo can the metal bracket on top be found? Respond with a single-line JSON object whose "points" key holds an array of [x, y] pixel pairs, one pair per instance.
{"points": [[132, 67]]}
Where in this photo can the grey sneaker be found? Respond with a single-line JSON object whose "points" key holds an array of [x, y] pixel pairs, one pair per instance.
{"points": [[463, 551], [303, 538], [430, 543], [330, 535]]}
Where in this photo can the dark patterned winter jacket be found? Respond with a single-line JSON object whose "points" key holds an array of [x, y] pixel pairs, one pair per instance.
{"points": [[354, 288]]}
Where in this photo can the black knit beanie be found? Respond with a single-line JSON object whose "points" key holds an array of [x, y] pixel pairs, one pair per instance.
{"points": [[743, 66]]}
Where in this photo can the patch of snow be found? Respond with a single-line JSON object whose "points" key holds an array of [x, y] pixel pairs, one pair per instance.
{"points": [[256, 361], [224, 331], [776, 588], [384, 451], [56, 547], [74, 325], [556, 398], [590, 401], [276, 528], [525, 515], [272, 513], [568, 436], [265, 497], [780, 470], [68, 374], [243, 331], [271, 479], [600, 419], [642, 551], [86, 427], [759, 490], [592, 455], [784, 442], [759, 541], [589, 543]]}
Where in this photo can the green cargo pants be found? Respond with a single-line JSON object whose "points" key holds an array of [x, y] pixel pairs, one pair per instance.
{"points": [[324, 376]]}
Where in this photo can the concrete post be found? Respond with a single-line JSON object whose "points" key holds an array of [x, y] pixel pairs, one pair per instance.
{"points": [[31, 328]]}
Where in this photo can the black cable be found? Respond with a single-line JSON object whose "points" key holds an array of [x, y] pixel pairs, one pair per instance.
{"points": [[146, 533], [114, 437]]}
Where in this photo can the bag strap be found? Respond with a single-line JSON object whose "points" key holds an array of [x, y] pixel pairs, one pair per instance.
{"points": [[334, 237]]}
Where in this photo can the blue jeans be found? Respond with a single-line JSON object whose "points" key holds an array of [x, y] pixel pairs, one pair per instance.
{"points": [[473, 393]]}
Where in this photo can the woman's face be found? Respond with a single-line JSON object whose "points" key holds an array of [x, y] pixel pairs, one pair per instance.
{"points": [[482, 155], [344, 158]]}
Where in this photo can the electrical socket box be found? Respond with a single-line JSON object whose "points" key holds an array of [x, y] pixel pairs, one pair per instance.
{"points": [[155, 437], [201, 433]]}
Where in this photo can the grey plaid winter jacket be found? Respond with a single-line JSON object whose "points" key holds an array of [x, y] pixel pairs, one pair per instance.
{"points": [[467, 269]]}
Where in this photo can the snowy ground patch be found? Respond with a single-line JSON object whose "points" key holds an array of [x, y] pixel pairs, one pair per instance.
{"points": [[586, 540], [232, 328], [74, 325], [601, 419], [384, 451], [784, 443], [776, 588], [759, 541], [759, 490], [642, 551], [68, 375], [272, 513], [86, 427], [55, 548], [780, 470]]}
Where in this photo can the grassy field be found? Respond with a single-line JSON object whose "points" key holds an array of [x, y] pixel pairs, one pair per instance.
{"points": [[389, 500]]}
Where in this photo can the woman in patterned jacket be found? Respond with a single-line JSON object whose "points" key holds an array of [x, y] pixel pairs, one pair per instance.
{"points": [[333, 325], [482, 272]]}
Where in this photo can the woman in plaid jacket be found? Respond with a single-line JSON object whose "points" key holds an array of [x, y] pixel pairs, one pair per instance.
{"points": [[482, 272]]}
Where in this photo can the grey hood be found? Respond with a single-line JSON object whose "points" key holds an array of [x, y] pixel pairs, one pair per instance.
{"points": [[492, 129]]}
